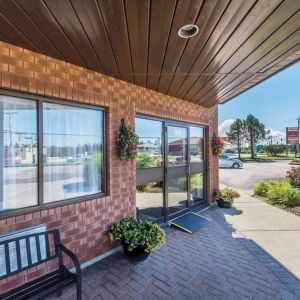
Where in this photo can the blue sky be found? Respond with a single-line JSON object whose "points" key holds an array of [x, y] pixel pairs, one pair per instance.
{"points": [[275, 102]]}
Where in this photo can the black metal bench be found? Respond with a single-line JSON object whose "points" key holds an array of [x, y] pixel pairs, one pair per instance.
{"points": [[21, 253]]}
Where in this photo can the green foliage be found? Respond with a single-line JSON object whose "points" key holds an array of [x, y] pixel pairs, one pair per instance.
{"points": [[145, 160], [137, 232], [274, 150], [283, 193], [236, 134], [127, 143], [196, 181], [278, 193], [151, 187], [227, 194], [293, 176], [262, 188], [255, 131]]}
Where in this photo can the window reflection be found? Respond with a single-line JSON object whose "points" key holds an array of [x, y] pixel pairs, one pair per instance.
{"points": [[18, 147], [149, 200], [196, 183], [177, 145], [177, 194], [150, 143], [196, 144], [73, 151]]}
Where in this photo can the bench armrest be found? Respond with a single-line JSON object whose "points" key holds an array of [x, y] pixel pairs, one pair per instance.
{"points": [[73, 258]]}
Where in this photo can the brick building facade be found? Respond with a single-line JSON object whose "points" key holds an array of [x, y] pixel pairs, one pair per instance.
{"points": [[83, 225]]}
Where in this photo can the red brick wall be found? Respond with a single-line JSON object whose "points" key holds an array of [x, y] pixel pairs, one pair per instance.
{"points": [[83, 225]]}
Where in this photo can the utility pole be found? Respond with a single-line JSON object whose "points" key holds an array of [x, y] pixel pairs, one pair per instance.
{"points": [[10, 131]]}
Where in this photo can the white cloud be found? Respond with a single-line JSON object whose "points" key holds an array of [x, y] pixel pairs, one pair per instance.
{"points": [[277, 135], [224, 126]]}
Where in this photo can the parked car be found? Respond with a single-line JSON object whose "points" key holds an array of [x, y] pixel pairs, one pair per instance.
{"points": [[77, 159], [229, 151], [228, 162]]}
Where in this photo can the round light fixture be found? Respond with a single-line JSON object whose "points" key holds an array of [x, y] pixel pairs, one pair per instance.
{"points": [[188, 31]]}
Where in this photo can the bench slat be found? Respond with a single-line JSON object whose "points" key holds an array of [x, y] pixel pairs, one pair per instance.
{"points": [[38, 248], [7, 261], [47, 244], [28, 251], [18, 249]]}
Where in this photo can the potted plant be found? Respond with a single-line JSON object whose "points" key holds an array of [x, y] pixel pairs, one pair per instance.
{"points": [[139, 238], [225, 197], [217, 145], [127, 142]]}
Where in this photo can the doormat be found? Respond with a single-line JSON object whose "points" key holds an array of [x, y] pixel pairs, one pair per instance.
{"points": [[189, 222]]}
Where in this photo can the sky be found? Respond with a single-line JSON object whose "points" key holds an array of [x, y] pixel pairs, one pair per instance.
{"points": [[275, 102]]}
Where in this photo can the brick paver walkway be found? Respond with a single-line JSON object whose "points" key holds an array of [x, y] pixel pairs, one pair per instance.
{"points": [[210, 264]]}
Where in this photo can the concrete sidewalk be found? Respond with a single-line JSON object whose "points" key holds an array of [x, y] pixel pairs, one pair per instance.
{"points": [[275, 230]]}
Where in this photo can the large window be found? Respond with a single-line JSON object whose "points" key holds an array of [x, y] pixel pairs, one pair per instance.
{"points": [[57, 159], [18, 152]]}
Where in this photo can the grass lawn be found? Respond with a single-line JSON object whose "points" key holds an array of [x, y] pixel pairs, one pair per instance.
{"points": [[266, 157]]}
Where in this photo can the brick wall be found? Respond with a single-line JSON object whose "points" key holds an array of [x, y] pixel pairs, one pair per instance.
{"points": [[83, 225]]}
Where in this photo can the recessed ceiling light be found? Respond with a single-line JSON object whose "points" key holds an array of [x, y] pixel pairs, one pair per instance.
{"points": [[187, 31]]}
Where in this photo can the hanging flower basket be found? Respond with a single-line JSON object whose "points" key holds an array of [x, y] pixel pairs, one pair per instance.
{"points": [[127, 143], [217, 145]]}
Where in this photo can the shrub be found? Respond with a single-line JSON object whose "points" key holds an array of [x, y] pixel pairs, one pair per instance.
{"points": [[262, 188], [278, 193], [274, 150], [145, 160], [227, 194], [136, 232], [293, 198], [293, 176]]}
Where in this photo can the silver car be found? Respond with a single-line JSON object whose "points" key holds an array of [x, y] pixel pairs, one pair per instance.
{"points": [[228, 162]]}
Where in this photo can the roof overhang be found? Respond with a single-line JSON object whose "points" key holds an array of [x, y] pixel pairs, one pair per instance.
{"points": [[239, 43]]}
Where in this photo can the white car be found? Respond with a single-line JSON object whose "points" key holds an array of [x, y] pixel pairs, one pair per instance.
{"points": [[228, 162]]}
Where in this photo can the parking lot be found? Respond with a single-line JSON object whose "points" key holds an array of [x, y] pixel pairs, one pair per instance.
{"points": [[252, 173]]}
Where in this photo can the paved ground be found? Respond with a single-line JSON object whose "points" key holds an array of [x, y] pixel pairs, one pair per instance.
{"points": [[214, 263], [252, 173], [276, 231]]}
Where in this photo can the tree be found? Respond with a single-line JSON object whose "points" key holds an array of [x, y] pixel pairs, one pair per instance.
{"points": [[274, 150], [236, 134], [255, 131]]}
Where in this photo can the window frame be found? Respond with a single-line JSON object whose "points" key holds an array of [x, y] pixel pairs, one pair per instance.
{"points": [[40, 178]]}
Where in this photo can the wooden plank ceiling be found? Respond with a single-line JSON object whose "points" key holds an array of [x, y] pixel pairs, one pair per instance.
{"points": [[239, 43]]}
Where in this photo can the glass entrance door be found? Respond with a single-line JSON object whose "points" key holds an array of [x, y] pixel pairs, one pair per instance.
{"points": [[170, 172], [177, 168]]}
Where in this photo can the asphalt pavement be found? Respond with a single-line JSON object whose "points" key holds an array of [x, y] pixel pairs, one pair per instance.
{"points": [[252, 173]]}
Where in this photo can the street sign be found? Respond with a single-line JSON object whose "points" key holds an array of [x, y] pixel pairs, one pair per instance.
{"points": [[292, 135]]}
